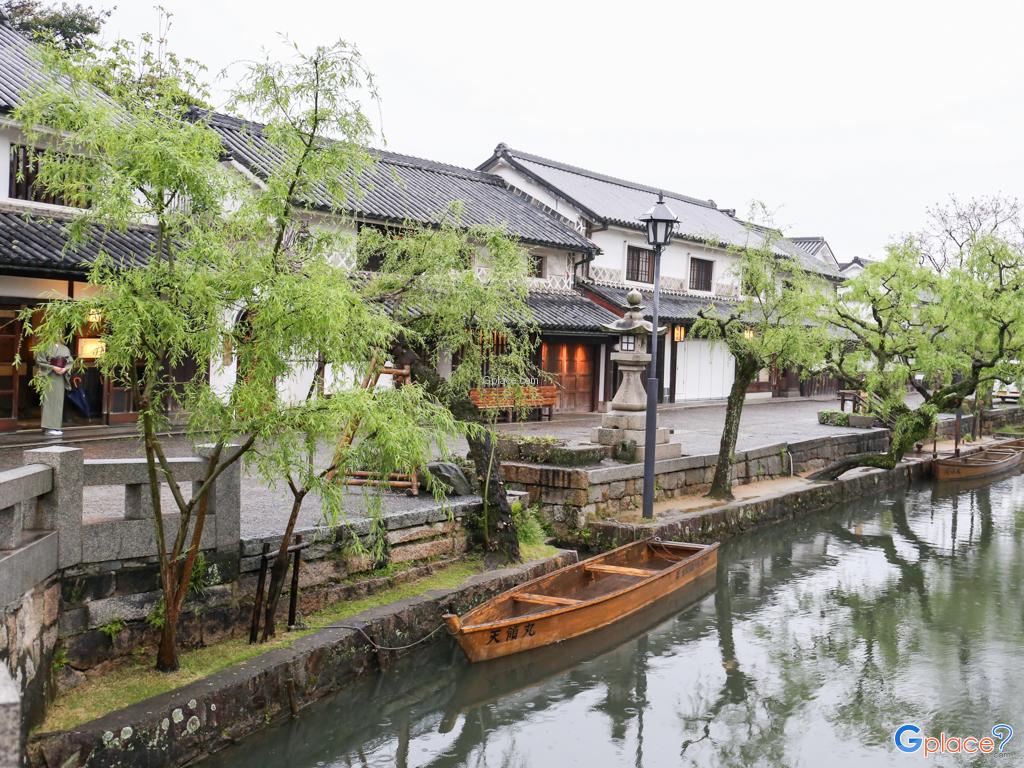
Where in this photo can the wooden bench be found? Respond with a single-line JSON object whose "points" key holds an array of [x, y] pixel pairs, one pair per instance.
{"points": [[508, 399], [849, 395], [621, 570]]}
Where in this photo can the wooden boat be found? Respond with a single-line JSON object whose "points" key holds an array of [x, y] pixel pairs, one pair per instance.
{"points": [[580, 598], [984, 463], [481, 684]]}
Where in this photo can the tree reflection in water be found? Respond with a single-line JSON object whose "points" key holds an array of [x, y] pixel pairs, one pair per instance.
{"points": [[819, 639]]}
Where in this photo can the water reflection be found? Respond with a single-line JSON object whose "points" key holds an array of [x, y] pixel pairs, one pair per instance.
{"points": [[815, 641]]}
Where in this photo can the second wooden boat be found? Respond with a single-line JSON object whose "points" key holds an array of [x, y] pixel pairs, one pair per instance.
{"points": [[991, 461], [580, 598]]}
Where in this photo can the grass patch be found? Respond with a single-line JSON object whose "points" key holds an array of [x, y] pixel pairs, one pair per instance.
{"points": [[136, 680], [540, 551]]}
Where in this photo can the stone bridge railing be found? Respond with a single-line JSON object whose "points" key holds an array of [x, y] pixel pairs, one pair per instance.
{"points": [[44, 533]]}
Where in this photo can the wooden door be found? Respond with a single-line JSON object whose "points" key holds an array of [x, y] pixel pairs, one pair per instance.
{"points": [[10, 376], [573, 366]]}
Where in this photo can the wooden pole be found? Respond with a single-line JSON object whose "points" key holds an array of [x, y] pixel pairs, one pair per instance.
{"points": [[293, 599], [257, 608]]}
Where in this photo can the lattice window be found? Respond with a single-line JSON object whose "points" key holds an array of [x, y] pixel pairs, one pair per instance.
{"points": [[700, 274], [639, 264]]}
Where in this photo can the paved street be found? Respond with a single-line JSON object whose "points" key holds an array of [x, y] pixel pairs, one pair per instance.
{"points": [[697, 427]]}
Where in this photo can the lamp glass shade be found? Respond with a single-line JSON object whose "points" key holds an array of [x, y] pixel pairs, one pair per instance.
{"points": [[660, 222], [627, 343], [679, 333]]}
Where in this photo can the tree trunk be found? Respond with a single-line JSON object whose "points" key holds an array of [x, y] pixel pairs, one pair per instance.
{"points": [[834, 470], [910, 426], [167, 652], [280, 569], [721, 483], [499, 529]]}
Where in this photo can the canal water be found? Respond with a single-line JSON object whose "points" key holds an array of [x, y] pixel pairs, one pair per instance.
{"points": [[813, 643]]}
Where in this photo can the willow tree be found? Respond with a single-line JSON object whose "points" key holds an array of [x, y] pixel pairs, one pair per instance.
{"points": [[902, 325], [770, 326], [443, 287], [460, 296], [120, 141]]}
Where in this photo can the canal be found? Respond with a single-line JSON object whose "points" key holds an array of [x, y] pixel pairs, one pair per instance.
{"points": [[812, 644]]}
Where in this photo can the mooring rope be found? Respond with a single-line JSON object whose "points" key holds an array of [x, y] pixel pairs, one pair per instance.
{"points": [[380, 647]]}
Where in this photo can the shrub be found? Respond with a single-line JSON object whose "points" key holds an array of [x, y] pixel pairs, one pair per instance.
{"points": [[834, 418], [529, 527]]}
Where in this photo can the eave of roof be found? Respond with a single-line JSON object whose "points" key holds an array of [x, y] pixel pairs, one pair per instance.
{"points": [[567, 310], [703, 224], [673, 306], [38, 244], [403, 188]]}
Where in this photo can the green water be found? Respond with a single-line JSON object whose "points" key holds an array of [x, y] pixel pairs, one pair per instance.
{"points": [[811, 645]]}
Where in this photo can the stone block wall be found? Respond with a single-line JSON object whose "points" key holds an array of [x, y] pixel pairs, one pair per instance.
{"points": [[86, 591], [990, 420], [11, 736], [567, 496], [28, 642], [733, 518], [106, 607]]}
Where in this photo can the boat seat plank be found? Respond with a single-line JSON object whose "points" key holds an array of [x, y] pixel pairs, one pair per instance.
{"points": [[529, 597], [622, 570]]}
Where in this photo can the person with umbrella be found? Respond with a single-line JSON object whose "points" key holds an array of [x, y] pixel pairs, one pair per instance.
{"points": [[55, 364]]}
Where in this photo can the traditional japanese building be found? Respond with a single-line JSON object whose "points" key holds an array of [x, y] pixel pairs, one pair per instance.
{"points": [[39, 263], [697, 268], [400, 189]]}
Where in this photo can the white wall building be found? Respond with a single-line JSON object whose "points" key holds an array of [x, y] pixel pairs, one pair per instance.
{"points": [[697, 268]]}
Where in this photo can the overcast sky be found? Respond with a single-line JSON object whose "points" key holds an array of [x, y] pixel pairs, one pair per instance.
{"points": [[848, 120]]}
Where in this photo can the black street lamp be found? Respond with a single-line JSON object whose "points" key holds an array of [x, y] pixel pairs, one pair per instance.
{"points": [[661, 223]]}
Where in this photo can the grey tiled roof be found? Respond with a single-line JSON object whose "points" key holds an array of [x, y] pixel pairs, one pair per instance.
{"points": [[673, 306], [19, 67], [402, 188], [37, 244], [568, 311], [620, 202], [819, 261], [812, 253]]}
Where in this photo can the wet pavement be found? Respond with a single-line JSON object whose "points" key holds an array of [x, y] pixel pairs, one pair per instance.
{"points": [[266, 507]]}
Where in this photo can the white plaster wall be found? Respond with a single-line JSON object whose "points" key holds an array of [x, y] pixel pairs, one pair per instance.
{"points": [[704, 370], [675, 259], [7, 136], [538, 193], [34, 288]]}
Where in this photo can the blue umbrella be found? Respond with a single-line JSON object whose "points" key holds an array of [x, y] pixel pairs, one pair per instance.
{"points": [[76, 395]]}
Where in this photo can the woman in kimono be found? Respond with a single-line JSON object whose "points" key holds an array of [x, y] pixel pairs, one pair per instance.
{"points": [[55, 363]]}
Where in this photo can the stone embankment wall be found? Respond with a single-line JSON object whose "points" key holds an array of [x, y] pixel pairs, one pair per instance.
{"points": [[733, 518], [568, 497], [77, 592], [184, 725]]}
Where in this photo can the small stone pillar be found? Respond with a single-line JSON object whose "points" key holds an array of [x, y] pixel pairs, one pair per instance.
{"points": [[61, 509], [225, 500], [627, 419]]}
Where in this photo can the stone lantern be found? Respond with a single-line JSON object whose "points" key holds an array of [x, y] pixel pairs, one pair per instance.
{"points": [[626, 419]]}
